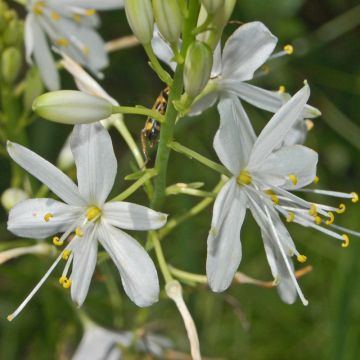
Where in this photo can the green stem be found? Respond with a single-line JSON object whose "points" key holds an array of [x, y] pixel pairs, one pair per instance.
{"points": [[138, 111], [204, 26], [167, 129], [187, 276], [160, 256], [137, 184], [200, 158], [155, 64]]}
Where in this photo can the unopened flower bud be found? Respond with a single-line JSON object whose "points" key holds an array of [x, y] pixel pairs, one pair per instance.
{"points": [[198, 64], [11, 64], [71, 107], [212, 6], [140, 18], [169, 19], [13, 31], [12, 196]]}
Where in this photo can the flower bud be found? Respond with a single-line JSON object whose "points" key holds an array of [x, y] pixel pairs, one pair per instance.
{"points": [[13, 32], [212, 6], [197, 70], [169, 19], [12, 196], [71, 107], [140, 18], [11, 62]]}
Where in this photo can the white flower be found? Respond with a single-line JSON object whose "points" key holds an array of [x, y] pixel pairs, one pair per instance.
{"points": [[85, 218], [69, 25], [264, 172]]}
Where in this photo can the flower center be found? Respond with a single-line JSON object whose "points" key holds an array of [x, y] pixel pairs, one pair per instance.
{"points": [[244, 178], [93, 213], [38, 8]]}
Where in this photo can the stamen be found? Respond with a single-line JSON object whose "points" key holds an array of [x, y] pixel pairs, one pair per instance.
{"points": [[346, 242], [79, 232], [244, 178], [290, 217], [57, 241], [93, 213], [355, 197], [293, 179], [62, 42], [66, 254], [62, 279], [38, 8], [313, 210], [48, 216], [301, 258], [67, 283], [316, 180], [341, 209], [275, 199], [55, 16], [85, 50], [309, 124], [77, 18], [317, 220], [331, 220], [90, 12], [282, 89], [289, 49]]}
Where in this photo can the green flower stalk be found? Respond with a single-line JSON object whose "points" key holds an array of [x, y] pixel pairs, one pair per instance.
{"points": [[212, 6]]}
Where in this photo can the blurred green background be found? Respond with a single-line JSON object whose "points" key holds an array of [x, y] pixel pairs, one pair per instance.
{"points": [[245, 322]]}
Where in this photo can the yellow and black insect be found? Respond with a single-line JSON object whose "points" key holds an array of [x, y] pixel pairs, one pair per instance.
{"points": [[151, 131]]}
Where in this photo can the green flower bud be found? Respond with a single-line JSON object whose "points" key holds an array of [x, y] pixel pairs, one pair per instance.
{"points": [[12, 32], [141, 19], [212, 6], [71, 107], [169, 19], [12, 196], [197, 70], [11, 62]]}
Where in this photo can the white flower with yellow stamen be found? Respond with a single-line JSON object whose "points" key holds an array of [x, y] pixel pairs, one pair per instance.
{"points": [[69, 25], [85, 218], [264, 175]]}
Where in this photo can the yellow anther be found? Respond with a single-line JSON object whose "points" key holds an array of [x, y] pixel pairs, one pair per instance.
{"points": [[90, 12], [289, 49], [93, 213], [331, 218], [66, 284], [55, 16], [62, 279], [346, 241], [317, 220], [244, 178], [275, 199], [341, 209], [282, 89], [79, 232], [62, 42], [313, 210], [66, 254], [293, 179], [316, 180], [85, 50], [276, 281], [38, 8], [355, 197], [48, 216], [77, 18], [301, 258], [309, 124], [290, 217], [57, 241]]}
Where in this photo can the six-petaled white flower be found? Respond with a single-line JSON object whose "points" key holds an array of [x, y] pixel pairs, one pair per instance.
{"points": [[85, 218], [69, 25], [264, 171]]}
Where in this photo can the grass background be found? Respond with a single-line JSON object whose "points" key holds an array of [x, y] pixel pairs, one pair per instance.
{"points": [[245, 322]]}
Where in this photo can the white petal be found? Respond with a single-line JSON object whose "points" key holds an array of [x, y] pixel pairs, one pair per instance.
{"points": [[254, 95], [27, 218], [94, 4], [278, 127], [125, 215], [297, 134], [203, 103], [29, 37], [217, 61], [295, 160], [246, 50], [137, 270], [83, 266], [223, 243], [59, 183], [235, 137], [162, 49], [95, 161], [44, 59]]}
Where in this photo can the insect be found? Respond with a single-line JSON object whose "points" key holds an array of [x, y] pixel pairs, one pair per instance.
{"points": [[151, 131]]}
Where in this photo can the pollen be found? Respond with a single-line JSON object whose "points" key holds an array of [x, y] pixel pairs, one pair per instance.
{"points": [[289, 49], [55, 16], [38, 8], [244, 178], [77, 18], [290, 217], [301, 258], [331, 218], [293, 179], [65, 282], [346, 241], [282, 89], [317, 220], [275, 199], [93, 213], [313, 210], [66, 254], [79, 232], [57, 241], [85, 50], [48, 216], [309, 124], [90, 12], [355, 197], [316, 180], [62, 42], [341, 209]]}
